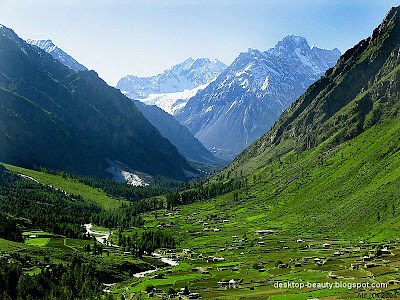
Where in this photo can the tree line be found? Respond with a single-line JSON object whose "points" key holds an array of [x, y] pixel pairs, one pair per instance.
{"points": [[47, 208], [55, 211], [204, 192], [145, 242]]}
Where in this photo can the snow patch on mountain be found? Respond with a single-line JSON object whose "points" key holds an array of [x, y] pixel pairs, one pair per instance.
{"points": [[129, 178], [171, 102], [121, 173]]}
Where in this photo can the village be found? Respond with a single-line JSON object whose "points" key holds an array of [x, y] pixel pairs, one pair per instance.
{"points": [[237, 263]]}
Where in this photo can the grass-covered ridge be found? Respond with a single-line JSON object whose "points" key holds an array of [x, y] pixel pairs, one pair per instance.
{"points": [[331, 200], [71, 186]]}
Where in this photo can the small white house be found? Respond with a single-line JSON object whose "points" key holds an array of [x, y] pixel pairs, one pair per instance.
{"points": [[232, 283]]}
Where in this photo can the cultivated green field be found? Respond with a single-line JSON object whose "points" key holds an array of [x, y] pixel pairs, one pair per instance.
{"points": [[338, 197], [37, 241]]}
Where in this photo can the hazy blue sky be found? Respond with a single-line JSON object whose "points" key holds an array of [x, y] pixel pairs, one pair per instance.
{"points": [[144, 37]]}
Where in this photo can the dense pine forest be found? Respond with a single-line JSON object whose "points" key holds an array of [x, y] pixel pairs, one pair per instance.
{"points": [[77, 280], [145, 242]]}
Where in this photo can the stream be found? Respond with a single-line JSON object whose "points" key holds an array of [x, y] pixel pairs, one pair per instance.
{"points": [[102, 237]]}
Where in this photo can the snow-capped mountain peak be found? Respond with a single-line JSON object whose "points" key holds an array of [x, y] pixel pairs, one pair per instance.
{"points": [[172, 88], [297, 50], [57, 53], [249, 96]]}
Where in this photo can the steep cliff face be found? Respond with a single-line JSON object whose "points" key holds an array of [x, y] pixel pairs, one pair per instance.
{"points": [[177, 134]]}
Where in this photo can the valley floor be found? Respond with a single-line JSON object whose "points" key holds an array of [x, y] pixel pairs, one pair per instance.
{"points": [[228, 256], [234, 255]]}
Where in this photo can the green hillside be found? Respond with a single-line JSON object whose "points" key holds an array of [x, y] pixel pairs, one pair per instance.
{"points": [[331, 162], [315, 200], [324, 183]]}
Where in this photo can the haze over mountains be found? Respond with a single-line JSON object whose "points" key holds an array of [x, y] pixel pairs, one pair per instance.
{"points": [[248, 97], [227, 108], [54, 117]]}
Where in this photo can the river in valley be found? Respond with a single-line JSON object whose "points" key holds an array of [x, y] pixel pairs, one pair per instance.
{"points": [[102, 237]]}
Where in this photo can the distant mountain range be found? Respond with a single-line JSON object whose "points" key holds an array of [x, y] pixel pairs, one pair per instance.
{"points": [[245, 100], [53, 117], [57, 53], [171, 89]]}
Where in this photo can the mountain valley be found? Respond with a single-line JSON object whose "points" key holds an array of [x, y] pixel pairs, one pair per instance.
{"points": [[123, 193]]}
